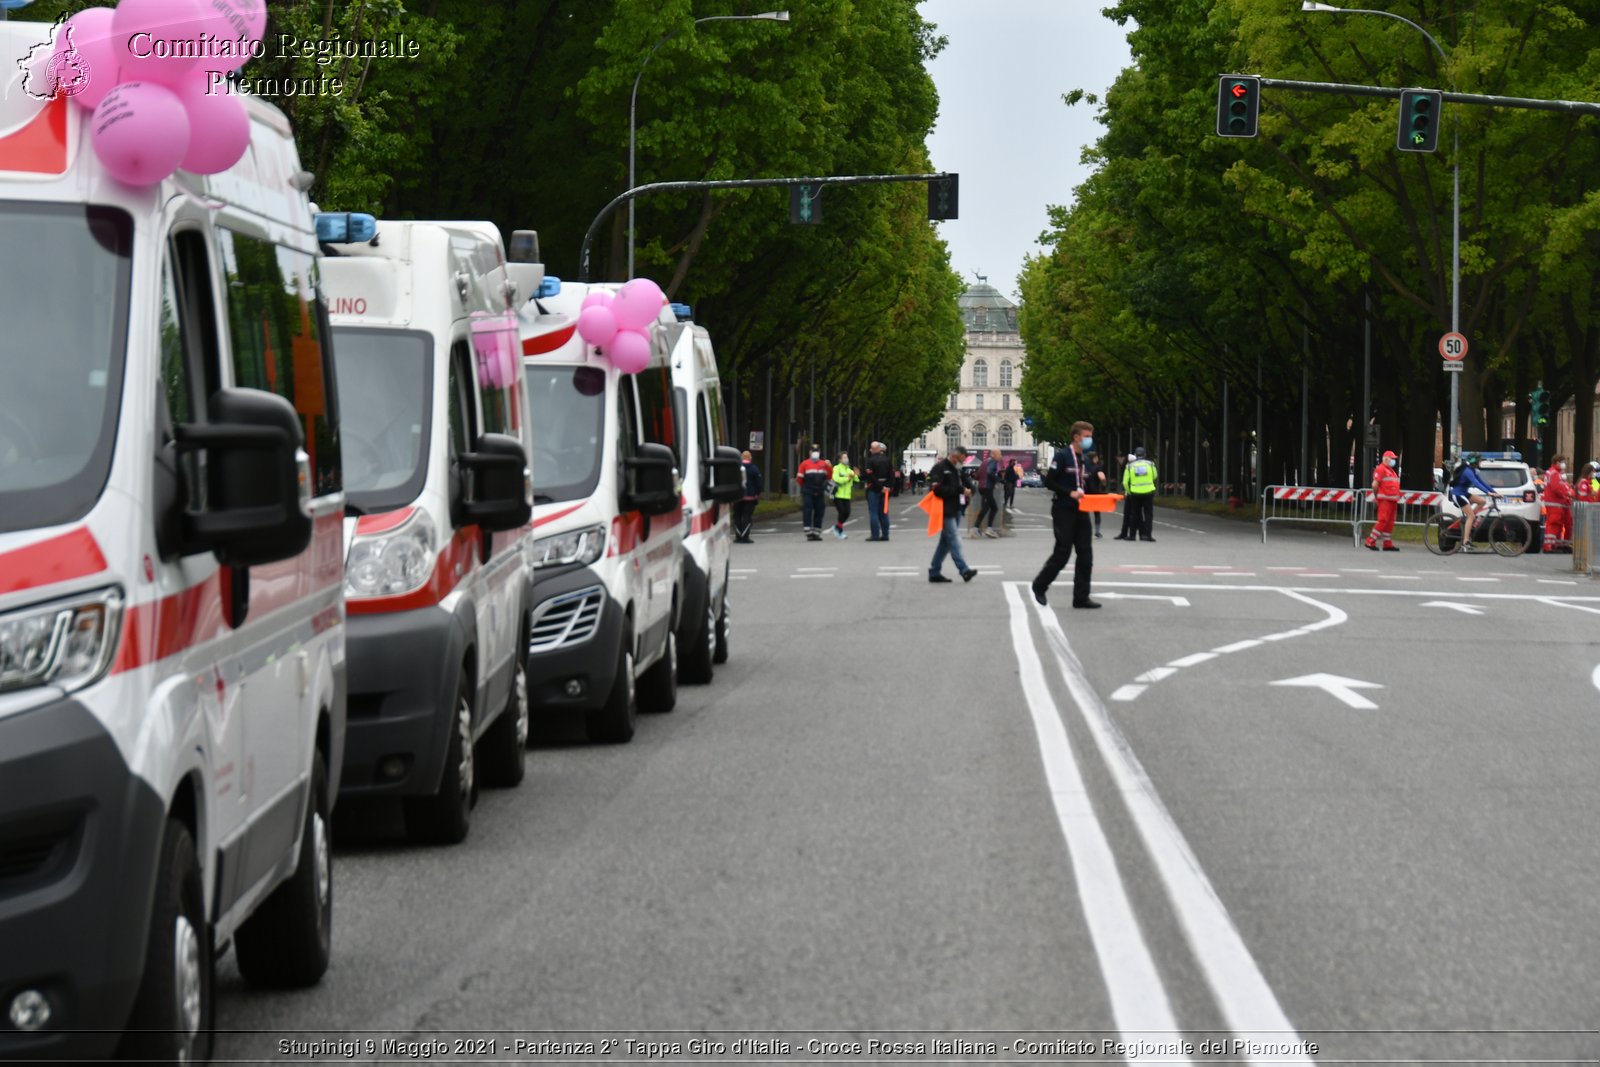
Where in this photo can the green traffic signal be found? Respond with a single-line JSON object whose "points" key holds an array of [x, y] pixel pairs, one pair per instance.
{"points": [[1419, 120]]}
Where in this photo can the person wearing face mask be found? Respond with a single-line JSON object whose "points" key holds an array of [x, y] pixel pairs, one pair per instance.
{"points": [[1588, 487], [1386, 491], [1557, 506], [815, 474], [1072, 473]]}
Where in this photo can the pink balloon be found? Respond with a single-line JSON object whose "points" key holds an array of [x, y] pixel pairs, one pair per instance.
{"points": [[629, 351], [601, 297], [88, 34], [140, 132], [219, 129], [597, 325], [163, 41], [637, 304]]}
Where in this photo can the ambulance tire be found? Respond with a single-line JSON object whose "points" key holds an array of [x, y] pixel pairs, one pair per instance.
{"points": [[172, 1013], [721, 655], [658, 689], [286, 944], [446, 817], [696, 668], [613, 721], [505, 746]]}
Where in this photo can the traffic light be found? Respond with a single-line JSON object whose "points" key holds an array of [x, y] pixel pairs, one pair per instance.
{"points": [[1419, 120], [1539, 415], [805, 204], [1238, 105], [944, 198]]}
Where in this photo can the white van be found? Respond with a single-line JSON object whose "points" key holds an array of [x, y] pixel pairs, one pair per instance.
{"points": [[712, 480], [438, 583], [608, 522], [172, 657]]}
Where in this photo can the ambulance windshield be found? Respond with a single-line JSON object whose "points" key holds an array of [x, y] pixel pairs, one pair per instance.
{"points": [[64, 274], [385, 379], [568, 407]]}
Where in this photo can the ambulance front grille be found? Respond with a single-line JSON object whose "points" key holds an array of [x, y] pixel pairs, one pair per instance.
{"points": [[567, 620]]}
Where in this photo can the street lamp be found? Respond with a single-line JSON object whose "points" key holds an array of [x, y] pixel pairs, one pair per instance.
{"points": [[1455, 208], [633, 100]]}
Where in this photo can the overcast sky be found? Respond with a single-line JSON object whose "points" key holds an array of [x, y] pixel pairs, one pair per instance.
{"points": [[1002, 125]]}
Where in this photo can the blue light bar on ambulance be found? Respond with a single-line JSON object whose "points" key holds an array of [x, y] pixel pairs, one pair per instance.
{"points": [[1517, 456], [683, 311], [345, 227], [551, 286]]}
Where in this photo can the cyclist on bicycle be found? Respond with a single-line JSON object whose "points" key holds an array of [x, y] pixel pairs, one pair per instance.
{"points": [[1466, 482]]}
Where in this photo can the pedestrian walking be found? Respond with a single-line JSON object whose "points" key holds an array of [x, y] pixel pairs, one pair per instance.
{"points": [[881, 482], [1386, 491], [1013, 478], [843, 480], [1588, 487], [1139, 495], [814, 477], [1557, 503], [945, 482], [1072, 473], [744, 515], [1129, 508], [988, 481]]}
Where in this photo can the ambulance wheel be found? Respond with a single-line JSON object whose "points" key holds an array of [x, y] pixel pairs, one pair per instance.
{"points": [[696, 668], [612, 722], [171, 1017], [658, 689], [445, 817], [287, 942], [722, 633], [505, 746]]}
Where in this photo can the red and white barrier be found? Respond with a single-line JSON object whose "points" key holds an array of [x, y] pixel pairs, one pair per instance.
{"points": [[1330, 496]]}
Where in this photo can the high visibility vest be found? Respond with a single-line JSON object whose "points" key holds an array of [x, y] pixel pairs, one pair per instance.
{"points": [[1141, 477]]}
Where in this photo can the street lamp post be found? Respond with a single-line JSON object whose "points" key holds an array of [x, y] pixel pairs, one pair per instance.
{"points": [[633, 99], [1455, 209]]}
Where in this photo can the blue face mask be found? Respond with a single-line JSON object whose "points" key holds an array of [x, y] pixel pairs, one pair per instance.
{"points": [[1087, 444]]}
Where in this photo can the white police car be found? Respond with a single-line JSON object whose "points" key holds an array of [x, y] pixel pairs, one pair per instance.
{"points": [[1507, 474]]}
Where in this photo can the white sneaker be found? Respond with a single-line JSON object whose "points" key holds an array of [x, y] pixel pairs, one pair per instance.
{"points": [[991, 533]]}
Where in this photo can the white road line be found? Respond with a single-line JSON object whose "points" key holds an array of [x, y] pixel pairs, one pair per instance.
{"points": [[1556, 581], [1239, 646], [1352, 570], [1234, 574], [1325, 590], [738, 577], [881, 574], [1157, 574], [803, 570], [1507, 574], [1236, 982], [1286, 568], [741, 570], [1562, 604], [1155, 674], [1138, 1000], [1462, 579], [1318, 574], [1192, 659], [1401, 577], [1127, 692], [1595, 677], [1211, 567], [811, 576]]}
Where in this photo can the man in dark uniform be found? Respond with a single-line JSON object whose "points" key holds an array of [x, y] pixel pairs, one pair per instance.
{"points": [[1072, 473]]}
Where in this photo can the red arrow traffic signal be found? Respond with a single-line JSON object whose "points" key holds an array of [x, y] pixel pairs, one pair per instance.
{"points": [[1239, 90]]}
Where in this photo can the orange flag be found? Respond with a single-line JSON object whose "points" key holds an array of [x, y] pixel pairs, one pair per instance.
{"points": [[935, 509]]}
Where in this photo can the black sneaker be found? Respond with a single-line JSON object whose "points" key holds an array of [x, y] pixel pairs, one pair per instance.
{"points": [[937, 578], [968, 575], [1038, 594], [1085, 604]]}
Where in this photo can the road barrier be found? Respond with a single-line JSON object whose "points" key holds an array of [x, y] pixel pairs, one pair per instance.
{"points": [[1412, 509], [1306, 503], [1586, 538]]}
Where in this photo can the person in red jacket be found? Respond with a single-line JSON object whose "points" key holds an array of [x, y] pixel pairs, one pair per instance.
{"points": [[1589, 483], [1386, 491], [1557, 502], [815, 473]]}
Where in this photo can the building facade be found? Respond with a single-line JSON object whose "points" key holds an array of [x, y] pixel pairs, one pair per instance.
{"points": [[985, 410]]}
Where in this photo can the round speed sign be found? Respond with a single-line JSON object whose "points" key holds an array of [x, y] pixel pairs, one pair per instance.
{"points": [[1453, 346]]}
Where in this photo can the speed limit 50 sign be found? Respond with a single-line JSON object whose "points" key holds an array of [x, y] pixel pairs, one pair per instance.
{"points": [[1453, 347]]}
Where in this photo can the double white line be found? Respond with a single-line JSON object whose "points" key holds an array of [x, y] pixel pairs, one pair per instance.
{"points": [[1139, 1001]]}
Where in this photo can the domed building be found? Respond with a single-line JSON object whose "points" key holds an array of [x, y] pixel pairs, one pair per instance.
{"points": [[984, 411]]}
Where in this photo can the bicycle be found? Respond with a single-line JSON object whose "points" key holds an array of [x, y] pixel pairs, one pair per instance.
{"points": [[1508, 535]]}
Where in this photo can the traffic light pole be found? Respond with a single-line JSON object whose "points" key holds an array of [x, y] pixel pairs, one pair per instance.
{"points": [[733, 183]]}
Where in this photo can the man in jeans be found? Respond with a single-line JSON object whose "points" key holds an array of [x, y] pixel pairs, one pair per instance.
{"points": [[945, 483], [879, 482]]}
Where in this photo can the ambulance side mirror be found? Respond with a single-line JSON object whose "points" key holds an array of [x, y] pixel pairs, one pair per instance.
{"points": [[651, 481], [496, 484], [257, 476], [723, 475]]}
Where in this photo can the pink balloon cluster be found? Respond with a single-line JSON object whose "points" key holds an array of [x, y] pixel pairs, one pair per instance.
{"points": [[147, 64], [620, 325], [495, 342]]}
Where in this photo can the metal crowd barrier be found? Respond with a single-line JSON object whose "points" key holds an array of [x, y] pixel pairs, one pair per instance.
{"points": [[1586, 538], [1413, 509], [1305, 503]]}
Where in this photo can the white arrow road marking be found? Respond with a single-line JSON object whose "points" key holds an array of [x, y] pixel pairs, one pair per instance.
{"points": [[1342, 688], [1595, 678], [1237, 984], [1564, 604], [1465, 609], [1175, 601]]}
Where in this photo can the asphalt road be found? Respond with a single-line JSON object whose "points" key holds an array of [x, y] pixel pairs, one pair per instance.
{"points": [[914, 812]]}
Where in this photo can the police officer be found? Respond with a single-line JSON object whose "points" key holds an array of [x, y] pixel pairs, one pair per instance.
{"points": [[1072, 473], [1139, 485]]}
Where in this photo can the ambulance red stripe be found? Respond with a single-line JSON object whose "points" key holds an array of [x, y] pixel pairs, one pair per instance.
{"points": [[66, 558]]}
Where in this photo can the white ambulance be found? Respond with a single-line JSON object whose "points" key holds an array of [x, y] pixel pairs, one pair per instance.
{"points": [[438, 583], [713, 478], [172, 656], [608, 519]]}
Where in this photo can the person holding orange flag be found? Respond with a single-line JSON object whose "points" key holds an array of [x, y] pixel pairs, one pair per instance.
{"points": [[943, 505], [1071, 476]]}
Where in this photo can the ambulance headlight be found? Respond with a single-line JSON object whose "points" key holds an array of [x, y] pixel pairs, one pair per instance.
{"points": [[391, 562], [66, 643], [582, 547]]}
